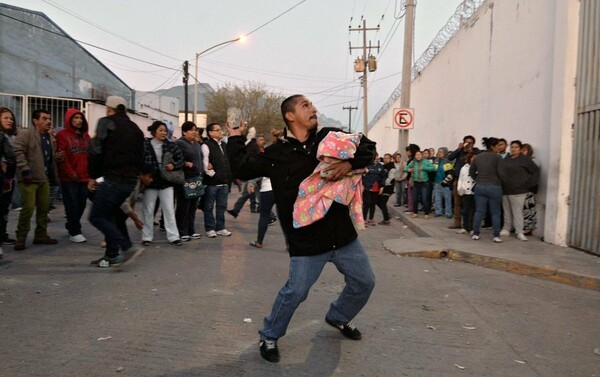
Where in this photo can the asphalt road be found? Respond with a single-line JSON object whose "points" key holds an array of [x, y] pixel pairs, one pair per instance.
{"points": [[196, 310]]}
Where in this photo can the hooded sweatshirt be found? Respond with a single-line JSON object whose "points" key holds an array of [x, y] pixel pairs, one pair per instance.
{"points": [[76, 149]]}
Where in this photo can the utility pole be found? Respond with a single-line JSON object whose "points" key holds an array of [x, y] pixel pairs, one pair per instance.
{"points": [[349, 108], [409, 29], [372, 66], [186, 75]]}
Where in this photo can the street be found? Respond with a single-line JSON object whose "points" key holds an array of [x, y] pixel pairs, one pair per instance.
{"points": [[195, 311]]}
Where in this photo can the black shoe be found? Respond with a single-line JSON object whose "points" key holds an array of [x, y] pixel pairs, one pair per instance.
{"points": [[9, 241], [235, 215], [348, 329], [269, 350], [177, 243], [272, 221]]}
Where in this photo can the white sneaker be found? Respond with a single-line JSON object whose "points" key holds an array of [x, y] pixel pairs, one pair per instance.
{"points": [[224, 232], [79, 238], [461, 231], [186, 238], [521, 237], [211, 234], [504, 232], [196, 236], [497, 239], [475, 237]]}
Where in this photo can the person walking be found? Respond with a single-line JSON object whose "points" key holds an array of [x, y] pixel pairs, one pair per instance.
{"points": [[218, 178], [160, 153], [373, 183], [331, 239], [485, 169], [388, 188], [118, 140], [36, 156], [74, 142], [520, 174], [185, 213]]}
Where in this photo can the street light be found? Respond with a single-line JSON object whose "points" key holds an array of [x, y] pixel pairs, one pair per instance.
{"points": [[240, 38]]}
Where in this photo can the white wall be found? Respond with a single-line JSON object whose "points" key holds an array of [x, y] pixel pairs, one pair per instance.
{"points": [[508, 72]]}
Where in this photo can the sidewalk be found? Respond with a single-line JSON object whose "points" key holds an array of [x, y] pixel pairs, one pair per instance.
{"points": [[533, 258]]}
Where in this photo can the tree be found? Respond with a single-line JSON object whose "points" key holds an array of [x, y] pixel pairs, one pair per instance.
{"points": [[260, 108]]}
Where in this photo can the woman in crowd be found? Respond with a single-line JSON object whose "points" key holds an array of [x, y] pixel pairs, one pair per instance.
{"points": [[8, 130], [373, 182], [442, 194], [485, 168], [399, 180], [155, 150], [185, 214], [529, 211], [520, 175], [419, 169], [464, 188], [411, 149], [388, 188]]}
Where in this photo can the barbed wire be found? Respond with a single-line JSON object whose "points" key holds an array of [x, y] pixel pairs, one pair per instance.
{"points": [[463, 13]]}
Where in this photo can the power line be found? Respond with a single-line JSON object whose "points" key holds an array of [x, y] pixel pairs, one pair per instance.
{"points": [[86, 43]]}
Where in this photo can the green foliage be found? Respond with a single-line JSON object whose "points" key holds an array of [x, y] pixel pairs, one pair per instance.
{"points": [[260, 108]]}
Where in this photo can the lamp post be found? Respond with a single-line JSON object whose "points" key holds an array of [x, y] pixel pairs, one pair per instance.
{"points": [[241, 38]]}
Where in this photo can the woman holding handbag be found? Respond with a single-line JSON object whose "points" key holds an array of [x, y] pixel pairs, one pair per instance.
{"points": [[187, 200], [165, 157]]}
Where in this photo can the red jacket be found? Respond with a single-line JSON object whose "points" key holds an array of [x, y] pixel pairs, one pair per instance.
{"points": [[76, 149]]}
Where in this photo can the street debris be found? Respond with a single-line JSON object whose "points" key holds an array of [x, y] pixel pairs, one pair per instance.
{"points": [[155, 290], [105, 338], [120, 369], [467, 327], [427, 308], [425, 270], [431, 327], [597, 351], [247, 320], [459, 367], [520, 362]]}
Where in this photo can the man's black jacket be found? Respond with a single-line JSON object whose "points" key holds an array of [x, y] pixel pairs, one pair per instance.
{"points": [[288, 163]]}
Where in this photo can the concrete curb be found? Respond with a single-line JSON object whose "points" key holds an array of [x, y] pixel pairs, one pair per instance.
{"points": [[499, 264]]}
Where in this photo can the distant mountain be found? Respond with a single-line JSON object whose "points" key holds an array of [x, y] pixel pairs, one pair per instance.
{"points": [[178, 92], [328, 122]]}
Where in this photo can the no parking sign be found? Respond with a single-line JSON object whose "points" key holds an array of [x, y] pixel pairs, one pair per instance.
{"points": [[403, 119]]}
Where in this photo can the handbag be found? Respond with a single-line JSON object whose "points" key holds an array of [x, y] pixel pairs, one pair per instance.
{"points": [[173, 176], [193, 187]]}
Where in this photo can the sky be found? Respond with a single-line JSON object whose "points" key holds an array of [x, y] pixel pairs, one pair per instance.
{"points": [[292, 46]]}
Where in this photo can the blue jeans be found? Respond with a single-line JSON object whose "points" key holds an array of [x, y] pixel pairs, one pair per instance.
{"points": [[107, 203], [485, 194], [74, 199], [421, 192], [239, 204], [267, 201], [351, 260], [442, 197], [215, 195]]}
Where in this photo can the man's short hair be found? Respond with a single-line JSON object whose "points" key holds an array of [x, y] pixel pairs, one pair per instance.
{"points": [[210, 126], [469, 137], [504, 140], [37, 113], [186, 126], [287, 106]]}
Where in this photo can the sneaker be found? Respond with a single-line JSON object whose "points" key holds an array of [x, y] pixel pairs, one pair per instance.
{"points": [[177, 243], [96, 261], [109, 262], [44, 240], [224, 233], [427, 217], [9, 241], [186, 238], [461, 231], [146, 243], [235, 215], [132, 254], [414, 215], [384, 222], [504, 232], [19, 245], [348, 330], [196, 236], [497, 239], [272, 221], [269, 350], [521, 237], [211, 234], [475, 237], [79, 238]]}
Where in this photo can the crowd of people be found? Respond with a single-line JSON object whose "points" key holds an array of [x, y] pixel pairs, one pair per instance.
{"points": [[493, 187]]}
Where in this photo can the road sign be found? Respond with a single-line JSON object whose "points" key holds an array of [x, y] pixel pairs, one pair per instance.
{"points": [[403, 119]]}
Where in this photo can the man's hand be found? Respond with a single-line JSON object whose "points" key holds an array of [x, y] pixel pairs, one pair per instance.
{"points": [[92, 185], [136, 220], [189, 164], [169, 167], [236, 131], [337, 170]]}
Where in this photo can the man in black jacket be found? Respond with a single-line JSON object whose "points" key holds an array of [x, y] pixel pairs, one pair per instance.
{"points": [[331, 239], [117, 156]]}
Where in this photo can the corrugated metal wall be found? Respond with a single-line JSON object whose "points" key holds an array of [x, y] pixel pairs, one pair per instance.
{"points": [[584, 213]]}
